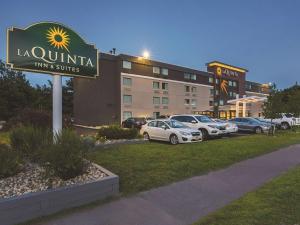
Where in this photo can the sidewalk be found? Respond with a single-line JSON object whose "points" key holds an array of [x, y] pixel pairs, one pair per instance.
{"points": [[185, 202]]}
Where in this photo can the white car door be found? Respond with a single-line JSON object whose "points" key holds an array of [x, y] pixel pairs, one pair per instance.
{"points": [[163, 131]]}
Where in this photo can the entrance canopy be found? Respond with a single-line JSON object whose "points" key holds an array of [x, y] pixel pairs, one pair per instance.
{"points": [[245, 100], [248, 99]]}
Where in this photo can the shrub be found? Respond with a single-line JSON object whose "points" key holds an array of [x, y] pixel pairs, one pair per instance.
{"points": [[116, 132], [30, 117], [10, 162], [30, 142], [65, 158], [89, 141]]}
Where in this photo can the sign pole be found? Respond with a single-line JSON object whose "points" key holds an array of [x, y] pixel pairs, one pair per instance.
{"points": [[57, 104]]}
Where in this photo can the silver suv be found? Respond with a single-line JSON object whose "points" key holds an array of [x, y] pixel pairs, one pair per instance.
{"points": [[203, 123]]}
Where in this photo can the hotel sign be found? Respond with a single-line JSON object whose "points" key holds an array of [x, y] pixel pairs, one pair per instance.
{"points": [[51, 48], [227, 72]]}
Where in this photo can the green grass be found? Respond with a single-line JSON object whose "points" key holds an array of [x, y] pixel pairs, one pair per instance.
{"points": [[4, 138], [145, 166], [276, 203]]}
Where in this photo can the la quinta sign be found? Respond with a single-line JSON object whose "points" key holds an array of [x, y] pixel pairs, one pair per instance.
{"points": [[51, 48], [54, 49]]}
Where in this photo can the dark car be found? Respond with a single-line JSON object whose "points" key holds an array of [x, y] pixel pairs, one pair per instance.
{"points": [[134, 122], [250, 124]]}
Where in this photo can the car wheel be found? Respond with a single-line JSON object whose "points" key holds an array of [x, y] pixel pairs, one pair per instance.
{"points": [[285, 126], [258, 130], [204, 134], [146, 136], [174, 139]]}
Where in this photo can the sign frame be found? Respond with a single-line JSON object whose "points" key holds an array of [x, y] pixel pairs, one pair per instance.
{"points": [[12, 66]]}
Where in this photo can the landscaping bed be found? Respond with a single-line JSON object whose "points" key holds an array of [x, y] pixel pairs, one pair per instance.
{"points": [[33, 178]]}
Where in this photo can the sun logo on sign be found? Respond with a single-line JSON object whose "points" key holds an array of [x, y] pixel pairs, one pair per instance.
{"points": [[58, 38], [223, 86], [219, 71]]}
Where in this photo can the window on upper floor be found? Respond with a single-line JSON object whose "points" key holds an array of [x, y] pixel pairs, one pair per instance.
{"points": [[156, 100], [126, 65], [127, 81], [187, 101], [189, 76], [194, 89], [230, 83], [155, 85], [212, 92], [165, 100], [193, 77], [193, 102], [165, 71], [234, 83], [156, 70], [217, 92], [211, 80], [127, 99], [217, 81], [187, 88], [221, 102], [164, 86], [211, 103]]}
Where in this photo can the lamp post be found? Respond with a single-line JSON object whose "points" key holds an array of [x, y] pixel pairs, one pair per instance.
{"points": [[57, 104]]}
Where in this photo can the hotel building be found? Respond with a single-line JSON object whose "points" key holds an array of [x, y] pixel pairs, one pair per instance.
{"points": [[131, 86]]}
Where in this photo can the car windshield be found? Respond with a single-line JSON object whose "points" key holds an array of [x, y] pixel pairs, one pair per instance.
{"points": [[204, 119], [289, 115], [176, 124]]}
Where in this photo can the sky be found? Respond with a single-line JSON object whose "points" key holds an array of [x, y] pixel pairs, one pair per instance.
{"points": [[260, 35]]}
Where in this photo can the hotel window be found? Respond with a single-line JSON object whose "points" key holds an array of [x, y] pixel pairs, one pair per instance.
{"points": [[156, 100], [217, 81], [211, 80], [186, 101], [156, 70], [194, 89], [186, 76], [217, 92], [165, 100], [126, 65], [193, 77], [155, 85], [230, 83], [187, 88], [126, 115], [211, 103], [127, 99], [234, 94], [193, 102], [156, 115], [234, 83], [164, 86], [164, 71], [221, 102], [127, 81], [212, 92], [230, 93]]}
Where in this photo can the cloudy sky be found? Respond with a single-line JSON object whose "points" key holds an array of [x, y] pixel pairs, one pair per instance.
{"points": [[262, 36]]}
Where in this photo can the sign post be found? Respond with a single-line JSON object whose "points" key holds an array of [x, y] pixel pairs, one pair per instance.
{"points": [[57, 104], [55, 49]]}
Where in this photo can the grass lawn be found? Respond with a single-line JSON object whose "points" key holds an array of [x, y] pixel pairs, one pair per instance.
{"points": [[145, 166], [276, 203]]}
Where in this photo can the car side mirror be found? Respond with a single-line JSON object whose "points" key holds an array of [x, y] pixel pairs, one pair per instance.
{"points": [[194, 121]]}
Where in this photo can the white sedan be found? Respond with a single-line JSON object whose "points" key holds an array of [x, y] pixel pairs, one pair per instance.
{"points": [[171, 131]]}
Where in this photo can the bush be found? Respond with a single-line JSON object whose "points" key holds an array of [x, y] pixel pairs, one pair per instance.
{"points": [[116, 132], [65, 158], [30, 142], [30, 117], [10, 162]]}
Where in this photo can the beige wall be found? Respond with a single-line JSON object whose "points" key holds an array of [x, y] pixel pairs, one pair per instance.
{"points": [[142, 96], [255, 108]]}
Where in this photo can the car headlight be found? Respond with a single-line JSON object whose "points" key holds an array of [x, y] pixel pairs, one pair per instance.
{"points": [[184, 133]]}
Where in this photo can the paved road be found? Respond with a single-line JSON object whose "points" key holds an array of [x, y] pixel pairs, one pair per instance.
{"points": [[185, 202]]}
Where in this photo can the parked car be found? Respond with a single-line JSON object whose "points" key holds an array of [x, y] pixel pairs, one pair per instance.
{"points": [[134, 122], [171, 131], [250, 124], [276, 125], [230, 127], [207, 126], [286, 120]]}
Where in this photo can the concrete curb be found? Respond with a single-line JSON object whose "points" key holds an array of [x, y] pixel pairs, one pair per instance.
{"points": [[29, 206]]}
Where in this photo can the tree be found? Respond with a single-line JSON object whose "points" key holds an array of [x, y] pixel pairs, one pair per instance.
{"points": [[15, 92]]}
